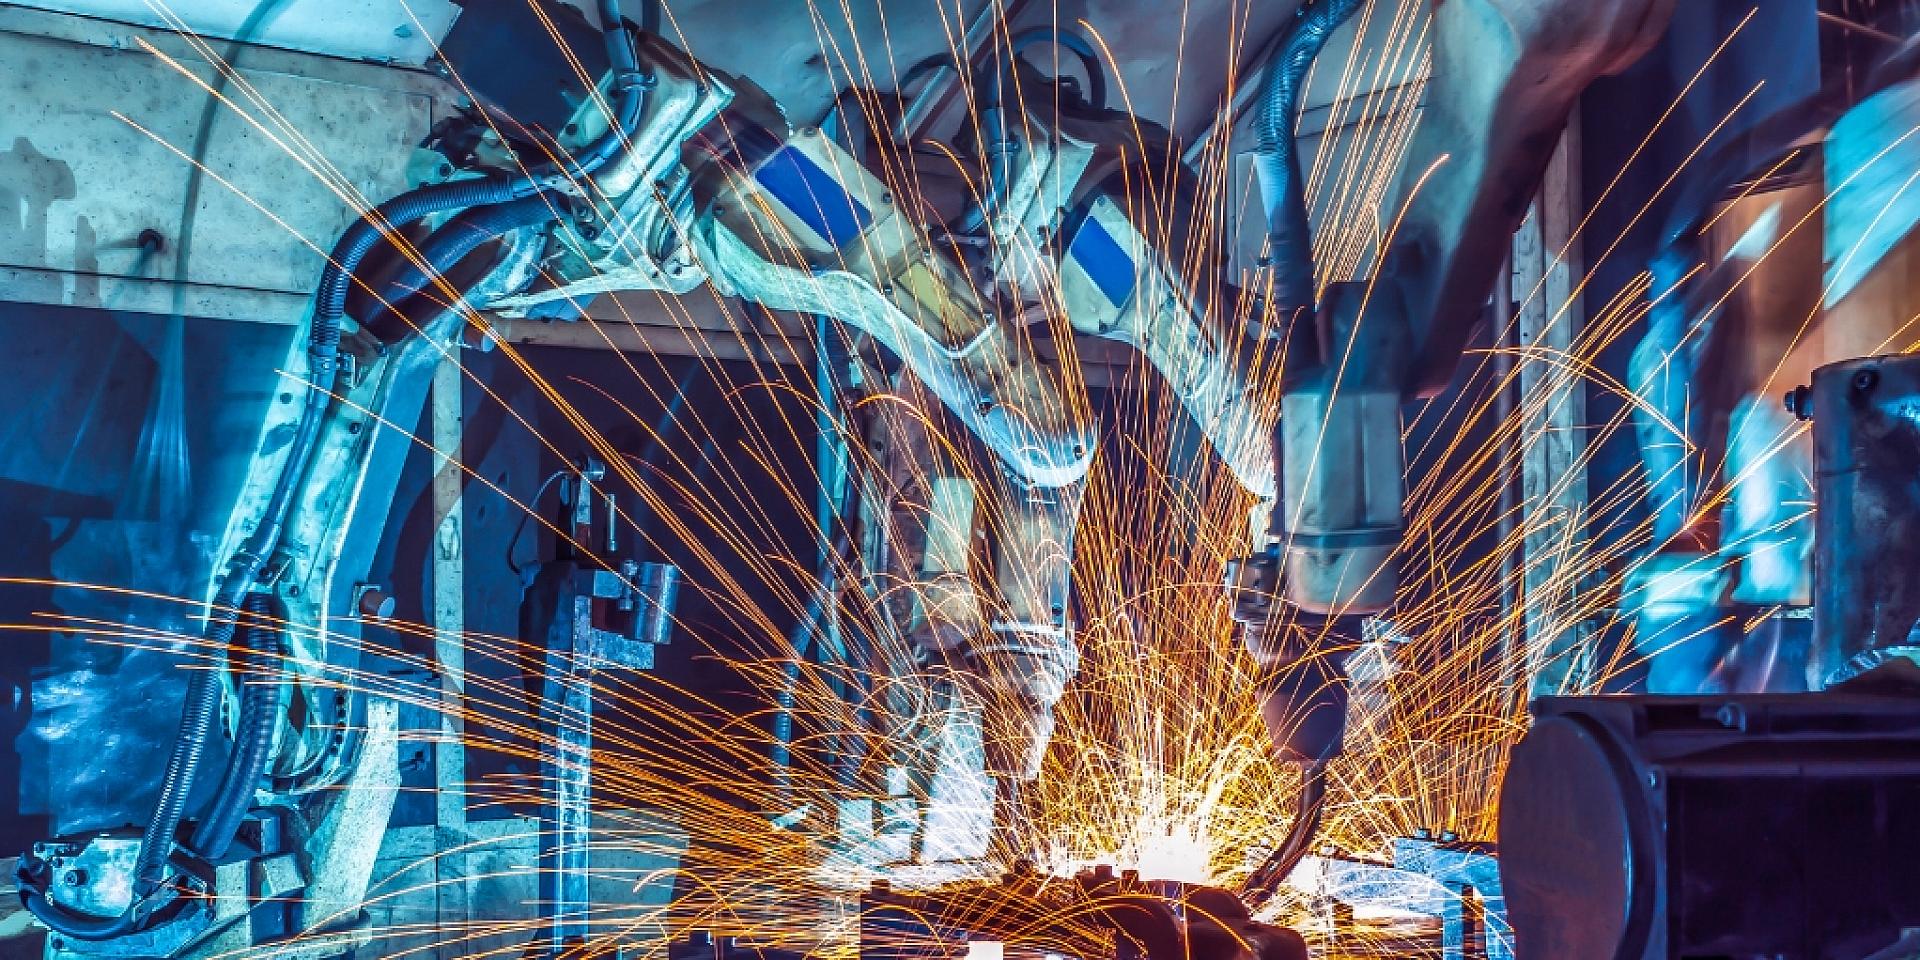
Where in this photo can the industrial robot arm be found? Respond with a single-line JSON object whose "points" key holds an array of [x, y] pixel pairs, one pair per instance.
{"points": [[1506, 74]]}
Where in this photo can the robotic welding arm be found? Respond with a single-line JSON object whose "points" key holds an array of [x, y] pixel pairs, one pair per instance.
{"points": [[788, 220], [1506, 74]]}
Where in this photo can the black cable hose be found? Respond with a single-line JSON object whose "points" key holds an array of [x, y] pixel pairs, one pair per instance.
{"points": [[360, 238], [1277, 162], [1264, 880], [260, 706], [399, 297], [1081, 47]]}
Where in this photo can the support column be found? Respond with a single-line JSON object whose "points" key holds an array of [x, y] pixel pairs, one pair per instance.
{"points": [[1553, 413], [449, 626]]}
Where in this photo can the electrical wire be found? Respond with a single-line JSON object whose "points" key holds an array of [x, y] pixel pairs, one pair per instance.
{"points": [[521, 527]]}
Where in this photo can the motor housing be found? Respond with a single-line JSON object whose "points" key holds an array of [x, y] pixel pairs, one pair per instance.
{"points": [[1765, 825]]}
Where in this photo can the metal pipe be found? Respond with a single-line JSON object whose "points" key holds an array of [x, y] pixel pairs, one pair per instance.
{"points": [[938, 90], [1505, 341]]}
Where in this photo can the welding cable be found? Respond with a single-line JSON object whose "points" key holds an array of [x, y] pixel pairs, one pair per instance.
{"points": [[800, 647], [921, 70], [1261, 884], [157, 841], [997, 136], [1277, 161], [339, 275], [263, 699], [628, 82], [1080, 47], [399, 298], [531, 508], [360, 238], [197, 718], [201, 701]]}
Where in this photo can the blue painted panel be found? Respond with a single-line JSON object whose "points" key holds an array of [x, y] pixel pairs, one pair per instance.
{"points": [[814, 196], [1104, 261]]}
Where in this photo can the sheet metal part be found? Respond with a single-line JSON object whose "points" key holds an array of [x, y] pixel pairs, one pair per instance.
{"points": [[1866, 571]]}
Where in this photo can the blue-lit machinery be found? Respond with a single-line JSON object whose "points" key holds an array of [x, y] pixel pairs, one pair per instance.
{"points": [[1713, 820], [667, 176], [1758, 824]]}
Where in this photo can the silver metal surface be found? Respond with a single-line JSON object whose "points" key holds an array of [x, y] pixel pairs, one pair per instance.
{"points": [[95, 139], [1028, 437], [98, 880], [402, 31]]}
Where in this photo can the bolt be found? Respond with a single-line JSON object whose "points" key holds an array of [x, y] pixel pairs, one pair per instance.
{"points": [[1422, 833], [1448, 836], [75, 878], [1866, 380], [1799, 402], [353, 427], [986, 404], [886, 198], [373, 602]]}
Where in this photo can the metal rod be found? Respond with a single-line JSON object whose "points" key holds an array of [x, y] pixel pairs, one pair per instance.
{"points": [[1504, 333], [1859, 28]]}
